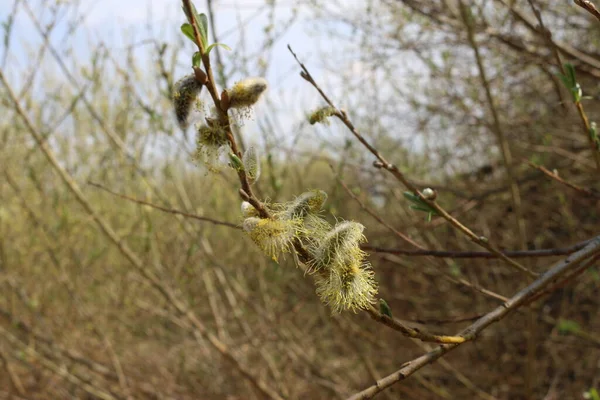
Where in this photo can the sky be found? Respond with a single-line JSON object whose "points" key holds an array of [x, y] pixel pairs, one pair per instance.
{"points": [[118, 23]]}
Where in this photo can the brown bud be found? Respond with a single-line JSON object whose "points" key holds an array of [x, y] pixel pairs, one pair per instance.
{"points": [[224, 100]]}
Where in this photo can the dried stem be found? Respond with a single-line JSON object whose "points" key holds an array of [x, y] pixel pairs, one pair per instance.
{"points": [[165, 209]]}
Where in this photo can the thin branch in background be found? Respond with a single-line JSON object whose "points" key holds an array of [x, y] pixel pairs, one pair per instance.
{"points": [[383, 163], [554, 176], [588, 6], [497, 128], [199, 330], [587, 127], [566, 266], [167, 210], [560, 251]]}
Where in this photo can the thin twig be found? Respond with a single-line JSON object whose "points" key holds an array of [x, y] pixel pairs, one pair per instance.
{"points": [[521, 298], [557, 178], [164, 209], [588, 6], [383, 163], [560, 251]]}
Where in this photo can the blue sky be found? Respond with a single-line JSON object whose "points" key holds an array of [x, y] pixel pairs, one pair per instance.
{"points": [[119, 23]]}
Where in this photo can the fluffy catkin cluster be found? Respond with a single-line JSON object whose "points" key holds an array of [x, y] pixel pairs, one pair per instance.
{"points": [[321, 115], [246, 92], [210, 141], [344, 279], [185, 93]]}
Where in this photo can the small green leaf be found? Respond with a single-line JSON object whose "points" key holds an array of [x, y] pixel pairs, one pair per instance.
{"points": [[571, 73], [384, 308], [568, 326], [188, 16], [188, 31], [593, 394], [217, 44], [236, 163], [420, 205], [411, 197], [577, 92], [202, 22], [570, 82], [196, 59]]}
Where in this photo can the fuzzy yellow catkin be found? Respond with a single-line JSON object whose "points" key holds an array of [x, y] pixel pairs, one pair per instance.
{"points": [[246, 92], [185, 93], [210, 140], [308, 202], [213, 136], [248, 210], [351, 287], [251, 163], [272, 236], [338, 246], [321, 115]]}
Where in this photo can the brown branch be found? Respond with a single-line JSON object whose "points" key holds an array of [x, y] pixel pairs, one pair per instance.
{"points": [[554, 176], [588, 6], [383, 163], [560, 251], [569, 264], [412, 332], [377, 217], [245, 191], [164, 209]]}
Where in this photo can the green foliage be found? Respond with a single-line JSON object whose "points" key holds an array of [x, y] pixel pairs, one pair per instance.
{"points": [[592, 394], [420, 205], [201, 21], [570, 82], [568, 326], [384, 308]]}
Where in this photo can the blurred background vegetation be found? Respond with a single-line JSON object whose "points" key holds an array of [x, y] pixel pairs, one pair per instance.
{"points": [[77, 320]]}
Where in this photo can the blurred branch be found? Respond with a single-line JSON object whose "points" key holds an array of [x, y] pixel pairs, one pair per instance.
{"points": [[554, 176], [569, 264], [167, 210], [561, 251], [588, 6], [467, 17], [155, 281]]}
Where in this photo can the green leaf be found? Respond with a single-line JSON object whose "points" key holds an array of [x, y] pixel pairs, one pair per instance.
{"points": [[196, 59], [570, 82], [577, 92], [235, 162], [568, 326], [411, 197], [384, 308], [188, 16], [202, 22], [420, 205], [428, 219], [593, 393], [209, 48], [571, 73], [188, 31]]}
